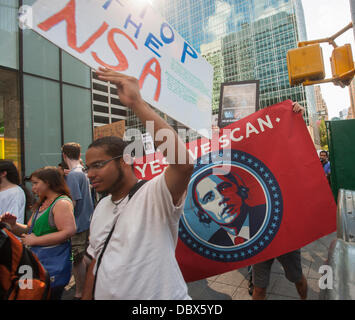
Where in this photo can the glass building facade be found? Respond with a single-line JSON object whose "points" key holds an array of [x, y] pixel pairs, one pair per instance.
{"points": [[45, 96], [245, 40], [48, 98]]}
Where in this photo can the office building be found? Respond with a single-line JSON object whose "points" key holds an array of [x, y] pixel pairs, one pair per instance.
{"points": [[45, 96], [245, 40]]}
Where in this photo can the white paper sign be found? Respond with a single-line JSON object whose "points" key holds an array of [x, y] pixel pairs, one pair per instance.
{"points": [[132, 38], [148, 143]]}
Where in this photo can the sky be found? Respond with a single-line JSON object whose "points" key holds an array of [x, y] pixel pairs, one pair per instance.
{"points": [[324, 18]]}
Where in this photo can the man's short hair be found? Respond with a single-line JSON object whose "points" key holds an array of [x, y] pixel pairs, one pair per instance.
{"points": [[113, 146], [324, 151], [72, 150]]}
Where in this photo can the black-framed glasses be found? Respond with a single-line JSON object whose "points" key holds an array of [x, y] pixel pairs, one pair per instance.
{"points": [[99, 165]]}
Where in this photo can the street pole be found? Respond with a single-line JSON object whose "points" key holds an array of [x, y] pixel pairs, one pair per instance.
{"points": [[351, 87], [352, 8]]}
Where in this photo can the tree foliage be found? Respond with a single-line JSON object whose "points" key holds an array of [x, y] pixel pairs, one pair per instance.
{"points": [[323, 135]]}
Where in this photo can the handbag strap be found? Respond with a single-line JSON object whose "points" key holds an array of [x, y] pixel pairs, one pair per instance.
{"points": [[136, 187], [33, 221]]}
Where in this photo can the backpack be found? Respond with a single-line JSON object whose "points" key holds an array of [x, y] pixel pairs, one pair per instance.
{"points": [[22, 277]]}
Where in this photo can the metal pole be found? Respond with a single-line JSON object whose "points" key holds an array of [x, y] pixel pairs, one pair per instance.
{"points": [[330, 40], [351, 87], [352, 9]]}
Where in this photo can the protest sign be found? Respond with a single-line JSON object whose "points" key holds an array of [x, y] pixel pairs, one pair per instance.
{"points": [[238, 100], [132, 38], [114, 129], [269, 198], [148, 143]]}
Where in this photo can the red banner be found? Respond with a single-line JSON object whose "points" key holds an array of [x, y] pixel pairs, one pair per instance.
{"points": [[258, 191]]}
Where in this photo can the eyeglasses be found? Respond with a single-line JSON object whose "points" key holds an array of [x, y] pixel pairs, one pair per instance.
{"points": [[99, 165]]}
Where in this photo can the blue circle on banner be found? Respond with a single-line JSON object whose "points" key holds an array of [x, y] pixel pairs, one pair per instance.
{"points": [[233, 209]]}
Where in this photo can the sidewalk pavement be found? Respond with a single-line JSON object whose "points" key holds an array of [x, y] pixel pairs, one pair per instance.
{"points": [[233, 285]]}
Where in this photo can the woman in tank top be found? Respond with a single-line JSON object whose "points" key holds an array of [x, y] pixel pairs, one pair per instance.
{"points": [[54, 215]]}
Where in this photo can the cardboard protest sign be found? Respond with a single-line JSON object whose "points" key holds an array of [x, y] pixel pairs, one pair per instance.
{"points": [[268, 197], [132, 38], [114, 129]]}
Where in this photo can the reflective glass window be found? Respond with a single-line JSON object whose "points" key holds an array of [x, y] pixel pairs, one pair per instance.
{"points": [[9, 36], [10, 135], [42, 123]]}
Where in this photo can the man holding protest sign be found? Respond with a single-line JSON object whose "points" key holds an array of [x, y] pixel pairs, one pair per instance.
{"points": [[137, 259]]}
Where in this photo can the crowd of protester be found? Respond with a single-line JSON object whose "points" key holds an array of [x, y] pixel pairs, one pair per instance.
{"points": [[104, 248]]}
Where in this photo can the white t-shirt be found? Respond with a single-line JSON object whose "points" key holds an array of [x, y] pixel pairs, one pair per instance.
{"points": [[139, 262], [13, 200]]}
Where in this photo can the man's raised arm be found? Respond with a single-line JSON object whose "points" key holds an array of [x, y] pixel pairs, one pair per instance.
{"points": [[180, 168]]}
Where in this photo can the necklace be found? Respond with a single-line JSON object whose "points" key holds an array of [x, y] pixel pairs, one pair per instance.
{"points": [[116, 205], [47, 203]]}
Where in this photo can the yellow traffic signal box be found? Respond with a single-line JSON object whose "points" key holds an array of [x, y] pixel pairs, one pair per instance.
{"points": [[305, 63], [342, 61]]}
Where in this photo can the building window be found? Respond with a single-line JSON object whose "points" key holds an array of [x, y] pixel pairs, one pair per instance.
{"points": [[10, 141], [9, 34], [42, 123], [77, 118], [40, 57], [75, 72], [107, 107]]}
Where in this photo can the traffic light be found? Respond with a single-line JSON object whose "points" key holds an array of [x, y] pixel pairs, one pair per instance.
{"points": [[342, 65], [305, 64]]}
